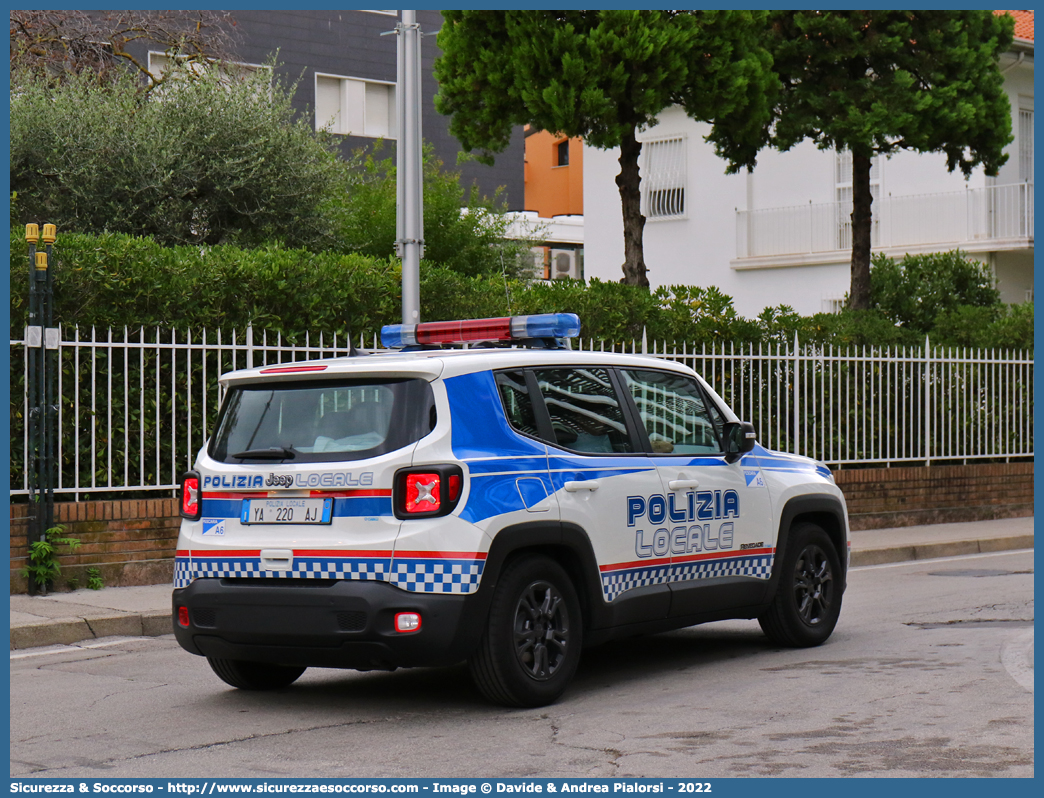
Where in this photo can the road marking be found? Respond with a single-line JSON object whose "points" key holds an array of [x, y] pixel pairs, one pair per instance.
{"points": [[1017, 659], [939, 559], [44, 651]]}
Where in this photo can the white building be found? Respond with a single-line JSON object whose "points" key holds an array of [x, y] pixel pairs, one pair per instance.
{"points": [[782, 233]]}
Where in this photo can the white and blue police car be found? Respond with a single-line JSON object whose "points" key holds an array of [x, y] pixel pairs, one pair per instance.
{"points": [[507, 503]]}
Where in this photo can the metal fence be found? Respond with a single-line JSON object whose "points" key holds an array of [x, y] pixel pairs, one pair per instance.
{"points": [[135, 406]]}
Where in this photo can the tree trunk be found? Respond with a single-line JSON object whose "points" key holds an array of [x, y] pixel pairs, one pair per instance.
{"points": [[862, 221], [628, 181]]}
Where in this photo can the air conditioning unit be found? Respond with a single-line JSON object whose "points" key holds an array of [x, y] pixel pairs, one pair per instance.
{"points": [[540, 267], [564, 263]]}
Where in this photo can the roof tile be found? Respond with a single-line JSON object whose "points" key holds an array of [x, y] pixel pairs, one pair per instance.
{"points": [[1023, 23]]}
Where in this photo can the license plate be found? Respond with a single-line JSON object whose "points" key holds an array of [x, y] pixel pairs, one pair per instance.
{"points": [[286, 511]]}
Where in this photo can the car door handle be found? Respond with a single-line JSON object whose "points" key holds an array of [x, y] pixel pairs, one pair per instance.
{"points": [[679, 484], [585, 484]]}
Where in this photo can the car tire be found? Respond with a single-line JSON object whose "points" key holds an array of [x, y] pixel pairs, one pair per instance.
{"points": [[254, 675], [807, 603], [530, 648]]}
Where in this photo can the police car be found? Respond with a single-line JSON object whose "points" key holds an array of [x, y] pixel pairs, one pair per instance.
{"points": [[506, 503]]}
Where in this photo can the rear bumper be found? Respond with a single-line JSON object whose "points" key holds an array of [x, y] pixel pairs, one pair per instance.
{"points": [[320, 623]]}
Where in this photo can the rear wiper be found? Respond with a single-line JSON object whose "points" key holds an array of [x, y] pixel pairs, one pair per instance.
{"points": [[273, 453]]}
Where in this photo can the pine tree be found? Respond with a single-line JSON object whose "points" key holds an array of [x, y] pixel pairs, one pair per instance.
{"points": [[876, 82], [604, 76]]}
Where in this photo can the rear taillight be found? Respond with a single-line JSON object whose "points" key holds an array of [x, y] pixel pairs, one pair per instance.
{"points": [[423, 493], [183, 616], [191, 500], [427, 491]]}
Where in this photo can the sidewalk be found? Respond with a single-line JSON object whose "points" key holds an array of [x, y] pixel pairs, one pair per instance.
{"points": [[66, 618]]}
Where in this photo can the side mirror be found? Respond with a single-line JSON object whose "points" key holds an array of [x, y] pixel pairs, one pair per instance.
{"points": [[740, 438]]}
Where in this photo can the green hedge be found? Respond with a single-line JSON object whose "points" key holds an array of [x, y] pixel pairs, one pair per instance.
{"points": [[115, 280]]}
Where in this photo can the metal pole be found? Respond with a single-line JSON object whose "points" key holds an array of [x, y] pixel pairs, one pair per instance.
{"points": [[400, 146], [50, 407], [33, 342], [409, 177]]}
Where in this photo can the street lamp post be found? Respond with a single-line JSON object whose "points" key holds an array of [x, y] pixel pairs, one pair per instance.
{"points": [[409, 214]]}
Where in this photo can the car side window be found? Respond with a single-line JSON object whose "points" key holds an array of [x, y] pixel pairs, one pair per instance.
{"points": [[584, 409], [518, 404], [674, 412]]}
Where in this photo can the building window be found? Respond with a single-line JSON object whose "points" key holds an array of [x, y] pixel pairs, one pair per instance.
{"points": [[843, 188], [562, 153], [663, 178], [1025, 143], [351, 106], [833, 303]]}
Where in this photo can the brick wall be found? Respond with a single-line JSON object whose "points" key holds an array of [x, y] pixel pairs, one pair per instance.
{"points": [[129, 542], [891, 497], [132, 542]]}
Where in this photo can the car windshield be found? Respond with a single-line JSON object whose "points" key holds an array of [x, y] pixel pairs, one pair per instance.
{"points": [[321, 421]]}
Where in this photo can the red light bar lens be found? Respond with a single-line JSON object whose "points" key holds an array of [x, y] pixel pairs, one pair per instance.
{"points": [[448, 332], [422, 493]]}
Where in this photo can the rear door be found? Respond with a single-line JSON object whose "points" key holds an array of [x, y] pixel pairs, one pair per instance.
{"points": [[600, 476]]}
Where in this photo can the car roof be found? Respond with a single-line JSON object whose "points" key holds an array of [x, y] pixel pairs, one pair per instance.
{"points": [[441, 363]]}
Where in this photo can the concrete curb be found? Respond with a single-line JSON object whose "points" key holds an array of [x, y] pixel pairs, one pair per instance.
{"points": [[69, 631], [928, 551]]}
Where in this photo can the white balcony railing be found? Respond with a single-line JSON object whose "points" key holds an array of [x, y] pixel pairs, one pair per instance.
{"points": [[969, 218]]}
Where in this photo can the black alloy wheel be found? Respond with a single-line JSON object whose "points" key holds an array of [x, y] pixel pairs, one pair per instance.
{"points": [[531, 645], [541, 630], [807, 602], [813, 585]]}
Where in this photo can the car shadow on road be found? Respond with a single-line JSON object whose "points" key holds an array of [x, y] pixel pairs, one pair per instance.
{"points": [[640, 658], [423, 690]]}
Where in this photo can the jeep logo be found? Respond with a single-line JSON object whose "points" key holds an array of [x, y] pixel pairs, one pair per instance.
{"points": [[282, 480]]}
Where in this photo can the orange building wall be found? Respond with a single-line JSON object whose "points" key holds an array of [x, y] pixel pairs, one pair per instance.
{"points": [[553, 190]]}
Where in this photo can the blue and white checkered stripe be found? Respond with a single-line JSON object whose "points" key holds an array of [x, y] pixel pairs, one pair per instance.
{"points": [[182, 572], [424, 575], [757, 567], [363, 569], [616, 582], [419, 575]]}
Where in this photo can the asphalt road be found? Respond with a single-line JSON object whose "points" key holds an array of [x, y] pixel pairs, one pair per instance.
{"points": [[929, 673]]}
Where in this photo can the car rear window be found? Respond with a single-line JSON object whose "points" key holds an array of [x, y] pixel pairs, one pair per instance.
{"points": [[307, 422]]}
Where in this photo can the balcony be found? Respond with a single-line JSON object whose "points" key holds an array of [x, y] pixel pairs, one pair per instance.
{"points": [[975, 220]]}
